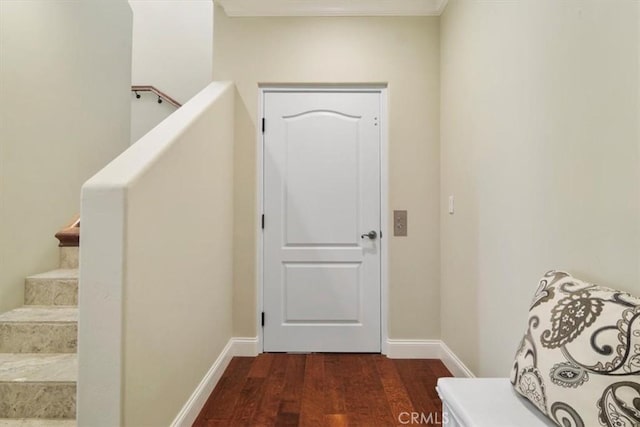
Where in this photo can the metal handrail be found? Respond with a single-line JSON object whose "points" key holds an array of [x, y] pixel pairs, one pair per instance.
{"points": [[161, 95]]}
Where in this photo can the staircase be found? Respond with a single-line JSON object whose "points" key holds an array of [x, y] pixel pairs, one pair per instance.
{"points": [[38, 350]]}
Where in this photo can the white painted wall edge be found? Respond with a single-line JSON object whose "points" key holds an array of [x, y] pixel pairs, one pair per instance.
{"points": [[135, 161], [100, 323], [245, 347], [428, 349]]}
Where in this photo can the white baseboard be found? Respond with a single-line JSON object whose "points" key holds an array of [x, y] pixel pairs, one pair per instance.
{"points": [[191, 409], [413, 349], [428, 349], [235, 347], [246, 347], [453, 363]]}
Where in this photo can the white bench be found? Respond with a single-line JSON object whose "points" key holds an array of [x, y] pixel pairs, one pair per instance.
{"points": [[486, 402]]}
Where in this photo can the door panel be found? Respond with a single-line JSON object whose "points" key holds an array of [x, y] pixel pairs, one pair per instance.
{"points": [[321, 197], [322, 292], [321, 193]]}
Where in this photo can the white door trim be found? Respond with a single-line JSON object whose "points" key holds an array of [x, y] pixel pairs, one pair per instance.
{"points": [[384, 194]]}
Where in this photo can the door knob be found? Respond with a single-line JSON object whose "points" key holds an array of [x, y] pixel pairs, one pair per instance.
{"points": [[372, 235]]}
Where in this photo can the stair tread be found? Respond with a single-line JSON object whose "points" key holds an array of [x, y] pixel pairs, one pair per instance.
{"points": [[31, 367], [33, 422], [61, 273], [37, 314]]}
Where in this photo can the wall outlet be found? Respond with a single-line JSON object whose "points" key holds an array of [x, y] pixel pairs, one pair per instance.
{"points": [[399, 223]]}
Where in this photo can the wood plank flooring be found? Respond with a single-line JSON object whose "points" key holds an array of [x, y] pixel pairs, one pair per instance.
{"points": [[277, 389]]}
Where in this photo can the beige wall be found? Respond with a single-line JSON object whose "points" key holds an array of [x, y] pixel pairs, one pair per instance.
{"points": [[156, 267], [403, 52], [539, 105], [65, 69], [172, 50]]}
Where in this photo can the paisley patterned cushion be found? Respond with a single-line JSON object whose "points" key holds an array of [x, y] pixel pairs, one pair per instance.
{"points": [[579, 360]]}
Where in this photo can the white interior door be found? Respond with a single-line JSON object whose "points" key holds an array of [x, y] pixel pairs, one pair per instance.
{"points": [[321, 284]]}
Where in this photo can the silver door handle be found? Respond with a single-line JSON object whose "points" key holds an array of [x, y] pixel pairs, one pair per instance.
{"points": [[372, 235]]}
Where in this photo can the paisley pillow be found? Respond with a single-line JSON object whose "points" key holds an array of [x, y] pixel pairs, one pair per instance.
{"points": [[579, 360]]}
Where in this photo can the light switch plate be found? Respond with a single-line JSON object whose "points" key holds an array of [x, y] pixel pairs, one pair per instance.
{"points": [[400, 223]]}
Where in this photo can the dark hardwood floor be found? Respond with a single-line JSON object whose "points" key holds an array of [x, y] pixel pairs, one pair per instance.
{"points": [[277, 389]]}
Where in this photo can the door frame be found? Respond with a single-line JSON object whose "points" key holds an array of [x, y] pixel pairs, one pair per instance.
{"points": [[380, 88]]}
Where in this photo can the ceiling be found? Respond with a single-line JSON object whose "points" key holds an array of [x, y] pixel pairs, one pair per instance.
{"points": [[333, 7]]}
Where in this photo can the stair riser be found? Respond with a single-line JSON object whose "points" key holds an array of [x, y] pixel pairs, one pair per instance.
{"points": [[69, 257], [51, 292], [38, 400], [38, 337]]}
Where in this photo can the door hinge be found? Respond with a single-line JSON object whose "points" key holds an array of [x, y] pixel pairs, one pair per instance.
{"points": [[262, 320], [263, 125], [263, 221]]}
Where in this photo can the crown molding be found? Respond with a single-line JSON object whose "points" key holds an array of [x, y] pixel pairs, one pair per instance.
{"points": [[442, 6], [239, 8]]}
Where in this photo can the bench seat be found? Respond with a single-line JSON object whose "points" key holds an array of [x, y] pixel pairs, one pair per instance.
{"points": [[486, 402]]}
